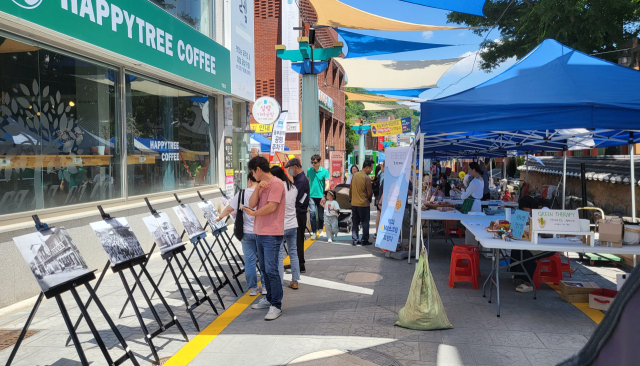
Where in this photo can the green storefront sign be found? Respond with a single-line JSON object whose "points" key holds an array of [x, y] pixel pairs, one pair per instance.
{"points": [[136, 29]]}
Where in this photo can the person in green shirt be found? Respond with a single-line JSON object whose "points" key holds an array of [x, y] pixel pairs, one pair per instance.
{"points": [[318, 184]]}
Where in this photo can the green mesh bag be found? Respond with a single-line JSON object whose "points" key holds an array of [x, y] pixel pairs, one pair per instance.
{"points": [[424, 309]]}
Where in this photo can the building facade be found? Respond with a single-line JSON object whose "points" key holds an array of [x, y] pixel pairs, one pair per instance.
{"points": [[275, 78]]}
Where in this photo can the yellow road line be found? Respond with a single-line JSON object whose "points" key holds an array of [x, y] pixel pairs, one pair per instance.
{"points": [[307, 244], [199, 342], [594, 314]]}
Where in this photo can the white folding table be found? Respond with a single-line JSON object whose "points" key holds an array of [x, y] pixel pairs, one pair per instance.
{"points": [[477, 228], [456, 215]]}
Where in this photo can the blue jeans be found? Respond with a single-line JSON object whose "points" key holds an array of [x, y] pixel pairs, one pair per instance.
{"points": [[290, 237], [316, 215], [268, 253], [249, 248]]}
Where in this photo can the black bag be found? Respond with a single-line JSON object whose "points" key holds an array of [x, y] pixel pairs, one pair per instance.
{"points": [[238, 229], [375, 185]]}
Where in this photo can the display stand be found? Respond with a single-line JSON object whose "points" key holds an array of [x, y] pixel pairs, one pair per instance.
{"points": [[71, 286], [120, 268]]}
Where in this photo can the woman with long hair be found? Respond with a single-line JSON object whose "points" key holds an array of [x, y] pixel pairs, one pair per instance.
{"points": [[290, 229]]}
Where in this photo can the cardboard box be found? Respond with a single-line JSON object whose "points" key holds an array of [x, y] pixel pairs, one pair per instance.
{"points": [[601, 299], [611, 232], [576, 291]]}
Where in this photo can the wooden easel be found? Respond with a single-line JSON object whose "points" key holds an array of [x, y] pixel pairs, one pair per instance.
{"points": [[120, 268], [71, 286]]}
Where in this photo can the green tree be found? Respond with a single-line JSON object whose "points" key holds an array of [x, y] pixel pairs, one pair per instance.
{"points": [[589, 26]]}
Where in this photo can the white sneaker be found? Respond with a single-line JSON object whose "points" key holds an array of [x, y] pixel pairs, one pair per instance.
{"points": [[330, 240], [255, 291], [263, 304], [314, 236], [264, 290], [273, 314]]}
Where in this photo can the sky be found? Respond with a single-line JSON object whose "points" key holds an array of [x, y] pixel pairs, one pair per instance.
{"points": [[465, 41]]}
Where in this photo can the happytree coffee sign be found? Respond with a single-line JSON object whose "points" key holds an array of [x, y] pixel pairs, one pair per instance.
{"points": [[556, 220], [266, 110]]}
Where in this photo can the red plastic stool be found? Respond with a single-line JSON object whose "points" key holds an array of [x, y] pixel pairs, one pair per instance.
{"points": [[463, 272], [566, 267], [452, 228], [466, 248], [548, 270]]}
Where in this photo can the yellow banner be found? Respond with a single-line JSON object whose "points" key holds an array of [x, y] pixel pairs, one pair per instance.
{"points": [[261, 128], [386, 128], [228, 172]]}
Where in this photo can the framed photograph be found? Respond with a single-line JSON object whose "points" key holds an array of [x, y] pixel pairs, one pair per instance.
{"points": [[210, 213], [189, 220], [118, 240], [164, 233], [52, 256]]}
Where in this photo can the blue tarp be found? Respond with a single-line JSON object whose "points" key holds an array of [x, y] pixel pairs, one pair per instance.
{"points": [[474, 7], [265, 143], [360, 45], [413, 93], [553, 87]]}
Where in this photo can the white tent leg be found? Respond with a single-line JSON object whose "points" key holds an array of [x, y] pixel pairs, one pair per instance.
{"points": [[490, 172], [564, 177], [633, 182], [418, 186], [419, 203], [526, 167]]}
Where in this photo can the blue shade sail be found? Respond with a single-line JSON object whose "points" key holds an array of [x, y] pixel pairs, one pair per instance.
{"points": [[360, 45], [411, 93], [474, 7], [553, 87]]}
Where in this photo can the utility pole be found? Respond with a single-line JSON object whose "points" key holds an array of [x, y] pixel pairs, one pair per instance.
{"points": [[309, 62]]}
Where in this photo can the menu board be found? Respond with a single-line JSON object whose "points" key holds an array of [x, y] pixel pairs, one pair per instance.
{"points": [[556, 220], [519, 220]]}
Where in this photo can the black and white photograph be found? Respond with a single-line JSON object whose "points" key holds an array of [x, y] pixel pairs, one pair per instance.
{"points": [[118, 240], [52, 256], [210, 213], [189, 220], [164, 233]]}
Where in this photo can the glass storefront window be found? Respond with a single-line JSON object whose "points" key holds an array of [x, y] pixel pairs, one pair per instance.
{"points": [[58, 136], [196, 13], [240, 148], [168, 137]]}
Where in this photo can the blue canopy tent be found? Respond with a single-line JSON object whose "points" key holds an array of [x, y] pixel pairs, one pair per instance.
{"points": [[265, 143]]}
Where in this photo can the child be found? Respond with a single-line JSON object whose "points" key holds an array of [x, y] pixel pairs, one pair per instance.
{"points": [[331, 211]]}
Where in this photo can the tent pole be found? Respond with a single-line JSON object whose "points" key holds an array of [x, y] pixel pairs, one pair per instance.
{"points": [[490, 172], [419, 215], [526, 167], [633, 177], [564, 176], [416, 185]]}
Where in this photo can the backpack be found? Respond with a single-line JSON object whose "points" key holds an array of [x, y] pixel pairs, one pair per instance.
{"points": [[238, 228]]}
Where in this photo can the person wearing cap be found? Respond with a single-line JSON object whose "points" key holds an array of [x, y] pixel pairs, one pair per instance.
{"points": [[331, 212], [294, 168]]}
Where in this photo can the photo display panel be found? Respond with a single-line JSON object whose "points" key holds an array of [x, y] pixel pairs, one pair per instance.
{"points": [[189, 220], [118, 240], [164, 233]]}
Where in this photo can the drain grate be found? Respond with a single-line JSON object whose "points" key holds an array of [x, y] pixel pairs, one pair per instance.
{"points": [[9, 337], [360, 277]]}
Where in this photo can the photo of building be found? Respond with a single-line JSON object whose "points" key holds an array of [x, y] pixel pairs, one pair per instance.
{"points": [[189, 220], [210, 213], [118, 240], [52, 256], [164, 233]]}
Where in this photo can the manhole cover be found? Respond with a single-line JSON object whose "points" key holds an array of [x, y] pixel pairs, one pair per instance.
{"points": [[9, 337], [363, 357], [360, 277]]}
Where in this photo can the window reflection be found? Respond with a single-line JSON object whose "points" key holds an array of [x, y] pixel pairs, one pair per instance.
{"points": [[57, 129], [196, 13], [167, 137]]}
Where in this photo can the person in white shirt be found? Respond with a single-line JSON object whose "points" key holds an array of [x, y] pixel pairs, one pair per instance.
{"points": [[290, 229], [354, 169], [331, 212], [249, 239], [475, 189]]}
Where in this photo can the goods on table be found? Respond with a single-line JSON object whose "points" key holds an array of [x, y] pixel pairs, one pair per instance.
{"points": [[446, 209], [436, 205], [611, 232], [500, 225]]}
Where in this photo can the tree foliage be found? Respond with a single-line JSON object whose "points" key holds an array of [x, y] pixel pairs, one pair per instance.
{"points": [[355, 110], [589, 26]]}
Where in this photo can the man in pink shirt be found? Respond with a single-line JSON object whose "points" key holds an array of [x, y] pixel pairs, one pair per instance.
{"points": [[270, 200]]}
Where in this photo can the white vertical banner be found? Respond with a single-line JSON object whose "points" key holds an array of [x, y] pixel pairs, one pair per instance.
{"points": [[290, 78], [243, 77], [279, 134]]}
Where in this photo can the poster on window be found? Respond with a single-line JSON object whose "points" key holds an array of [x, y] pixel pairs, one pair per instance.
{"points": [[290, 78], [163, 232], [337, 167], [118, 240], [228, 165], [397, 172], [189, 220], [52, 257], [228, 111]]}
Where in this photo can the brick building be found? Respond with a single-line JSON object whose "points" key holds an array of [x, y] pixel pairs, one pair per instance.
{"points": [[268, 33]]}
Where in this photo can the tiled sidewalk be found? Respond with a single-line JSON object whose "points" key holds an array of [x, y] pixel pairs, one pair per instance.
{"points": [[328, 313]]}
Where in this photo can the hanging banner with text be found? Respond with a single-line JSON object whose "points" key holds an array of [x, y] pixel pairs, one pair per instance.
{"points": [[160, 40], [242, 60], [406, 124], [290, 79], [393, 127], [397, 173], [279, 134]]}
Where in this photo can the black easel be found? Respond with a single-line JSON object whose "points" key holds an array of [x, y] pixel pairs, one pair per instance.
{"points": [[173, 254], [71, 286], [120, 268]]}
